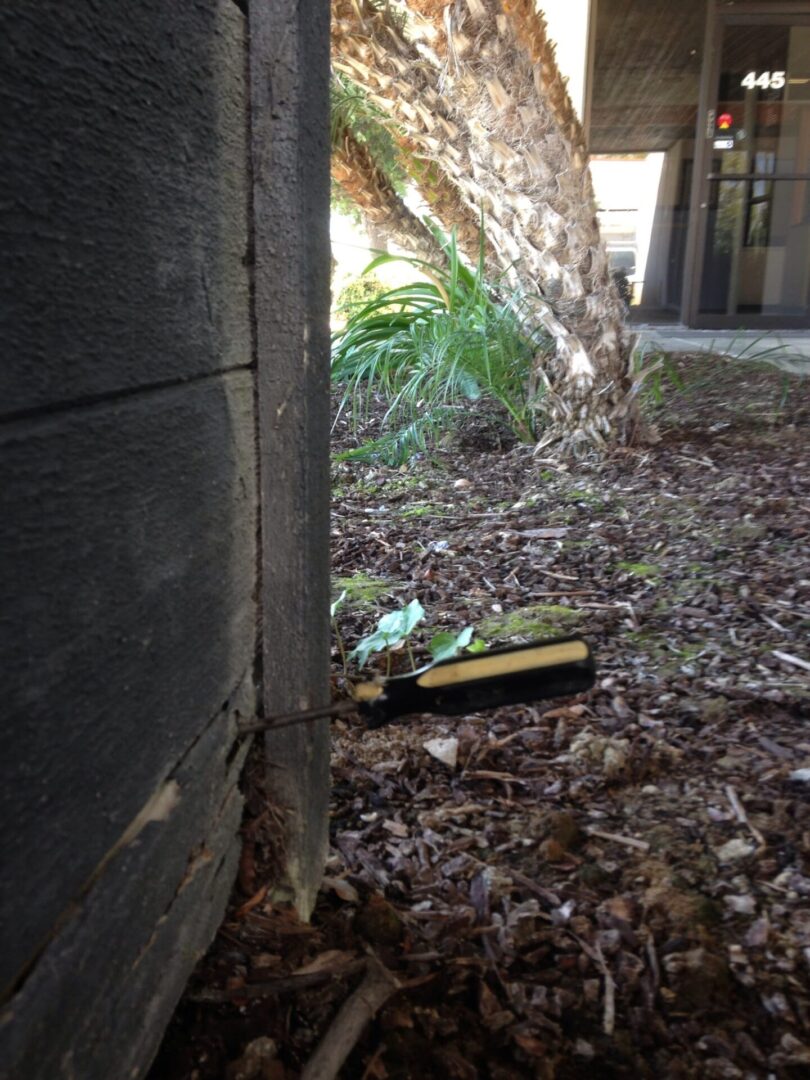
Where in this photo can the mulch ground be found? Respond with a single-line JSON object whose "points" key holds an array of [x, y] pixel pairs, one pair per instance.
{"points": [[616, 885]]}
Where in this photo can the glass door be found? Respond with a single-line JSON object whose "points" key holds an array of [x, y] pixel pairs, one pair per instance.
{"points": [[753, 240]]}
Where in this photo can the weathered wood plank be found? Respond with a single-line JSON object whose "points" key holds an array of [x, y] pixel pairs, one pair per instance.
{"points": [[94, 1006], [123, 196], [127, 571], [289, 65]]}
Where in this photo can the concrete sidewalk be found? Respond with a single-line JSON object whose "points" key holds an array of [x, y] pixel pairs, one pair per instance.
{"points": [[785, 349]]}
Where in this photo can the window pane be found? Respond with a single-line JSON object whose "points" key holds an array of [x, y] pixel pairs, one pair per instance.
{"points": [[757, 259]]}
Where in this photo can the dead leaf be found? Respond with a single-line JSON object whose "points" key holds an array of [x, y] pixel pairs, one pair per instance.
{"points": [[250, 904], [444, 750], [342, 888]]}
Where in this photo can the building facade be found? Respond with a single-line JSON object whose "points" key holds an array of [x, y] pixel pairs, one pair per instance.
{"points": [[698, 122]]}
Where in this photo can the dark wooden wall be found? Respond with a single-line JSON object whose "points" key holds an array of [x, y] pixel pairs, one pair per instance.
{"points": [[128, 513]]}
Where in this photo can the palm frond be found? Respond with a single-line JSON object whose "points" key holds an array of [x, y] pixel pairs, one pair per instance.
{"points": [[430, 348]]}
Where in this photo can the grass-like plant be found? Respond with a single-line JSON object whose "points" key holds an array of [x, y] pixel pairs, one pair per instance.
{"points": [[430, 348]]}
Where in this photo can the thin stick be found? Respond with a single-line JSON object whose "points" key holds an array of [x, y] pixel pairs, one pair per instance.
{"points": [[742, 817], [563, 592], [628, 841], [283, 720], [598, 957], [789, 659], [347, 1027], [609, 1018]]}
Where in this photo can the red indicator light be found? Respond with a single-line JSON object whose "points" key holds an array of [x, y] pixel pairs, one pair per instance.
{"points": [[724, 121]]}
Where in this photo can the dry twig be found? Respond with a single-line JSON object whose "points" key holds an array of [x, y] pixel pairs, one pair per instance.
{"points": [[742, 817], [347, 1027], [628, 841]]}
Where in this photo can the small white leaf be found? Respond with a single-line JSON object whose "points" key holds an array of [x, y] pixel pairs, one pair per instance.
{"points": [[344, 889], [444, 750]]}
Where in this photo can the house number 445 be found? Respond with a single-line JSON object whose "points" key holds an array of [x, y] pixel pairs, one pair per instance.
{"points": [[766, 80]]}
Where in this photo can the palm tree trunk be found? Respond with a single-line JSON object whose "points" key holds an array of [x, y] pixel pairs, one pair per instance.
{"points": [[502, 128], [528, 142], [446, 204], [402, 79], [372, 192]]}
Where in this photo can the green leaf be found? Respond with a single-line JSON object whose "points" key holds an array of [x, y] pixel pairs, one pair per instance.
{"points": [[392, 629], [445, 645], [413, 613], [366, 646], [391, 625], [477, 646]]}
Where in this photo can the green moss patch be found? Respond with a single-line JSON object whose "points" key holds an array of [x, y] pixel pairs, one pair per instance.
{"points": [[417, 510], [362, 590], [640, 569], [532, 621]]}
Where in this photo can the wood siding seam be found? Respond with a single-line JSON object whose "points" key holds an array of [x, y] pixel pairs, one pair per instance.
{"points": [[92, 401]]}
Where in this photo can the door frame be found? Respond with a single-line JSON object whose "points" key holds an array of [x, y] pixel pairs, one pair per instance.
{"points": [[716, 18]]}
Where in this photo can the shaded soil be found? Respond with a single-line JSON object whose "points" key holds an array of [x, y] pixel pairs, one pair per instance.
{"points": [[612, 886]]}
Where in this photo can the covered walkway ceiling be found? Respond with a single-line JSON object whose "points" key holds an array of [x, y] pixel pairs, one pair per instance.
{"points": [[647, 61]]}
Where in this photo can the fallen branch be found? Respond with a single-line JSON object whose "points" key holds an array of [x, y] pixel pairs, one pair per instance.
{"points": [[347, 1027]]}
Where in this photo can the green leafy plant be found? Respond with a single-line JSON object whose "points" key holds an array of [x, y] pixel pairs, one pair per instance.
{"points": [[430, 348], [653, 371], [477, 646], [445, 645], [351, 109], [393, 630], [359, 292]]}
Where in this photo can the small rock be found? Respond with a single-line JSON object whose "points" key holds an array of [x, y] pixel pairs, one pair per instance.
{"points": [[801, 776], [777, 1005], [257, 1061], [741, 905], [734, 849], [757, 936], [720, 1069], [584, 1049]]}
